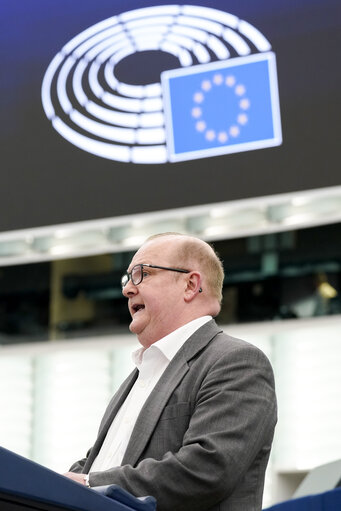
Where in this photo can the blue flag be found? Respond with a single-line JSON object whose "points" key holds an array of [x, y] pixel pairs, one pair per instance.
{"points": [[222, 107]]}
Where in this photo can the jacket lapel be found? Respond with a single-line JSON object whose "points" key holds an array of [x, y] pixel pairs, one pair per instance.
{"points": [[164, 388], [109, 416]]}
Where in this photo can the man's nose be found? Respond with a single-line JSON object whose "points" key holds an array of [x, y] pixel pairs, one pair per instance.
{"points": [[129, 289]]}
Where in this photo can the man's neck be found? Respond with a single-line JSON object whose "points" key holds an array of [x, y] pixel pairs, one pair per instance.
{"points": [[149, 341]]}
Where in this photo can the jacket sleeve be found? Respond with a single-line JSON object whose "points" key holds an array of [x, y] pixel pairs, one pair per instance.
{"points": [[78, 466]]}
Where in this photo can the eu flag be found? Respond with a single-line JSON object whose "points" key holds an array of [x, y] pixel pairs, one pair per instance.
{"points": [[222, 107]]}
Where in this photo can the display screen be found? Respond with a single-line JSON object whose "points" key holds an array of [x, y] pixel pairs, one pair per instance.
{"points": [[114, 108]]}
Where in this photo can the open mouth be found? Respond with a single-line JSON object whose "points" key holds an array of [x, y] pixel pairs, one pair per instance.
{"points": [[137, 307]]}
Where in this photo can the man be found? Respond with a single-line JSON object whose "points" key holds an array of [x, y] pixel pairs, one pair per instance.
{"points": [[193, 424]]}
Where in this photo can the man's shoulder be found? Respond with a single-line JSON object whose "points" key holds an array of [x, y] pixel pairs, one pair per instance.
{"points": [[211, 344], [218, 338], [221, 344]]}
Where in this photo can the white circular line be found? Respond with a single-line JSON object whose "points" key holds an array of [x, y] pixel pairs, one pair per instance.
{"points": [[201, 53], [110, 151], [109, 75], [150, 120], [47, 84], [254, 35], [213, 14], [181, 40], [146, 12], [95, 51], [152, 30], [122, 103], [61, 84], [89, 32], [77, 82], [150, 154], [147, 23], [99, 41], [205, 24], [218, 47], [122, 54], [237, 42], [112, 116], [114, 133], [183, 54], [109, 53], [194, 33]]}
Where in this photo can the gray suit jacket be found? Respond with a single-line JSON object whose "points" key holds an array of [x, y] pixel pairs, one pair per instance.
{"points": [[203, 438]]}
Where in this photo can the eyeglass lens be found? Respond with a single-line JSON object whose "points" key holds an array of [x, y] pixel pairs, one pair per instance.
{"points": [[136, 274]]}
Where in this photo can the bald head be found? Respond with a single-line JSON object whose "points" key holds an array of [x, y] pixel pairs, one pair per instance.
{"points": [[194, 254]]}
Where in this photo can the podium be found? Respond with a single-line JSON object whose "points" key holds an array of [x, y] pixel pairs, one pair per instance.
{"points": [[28, 486], [327, 501]]}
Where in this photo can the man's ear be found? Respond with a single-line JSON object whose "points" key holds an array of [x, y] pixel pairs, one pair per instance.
{"points": [[193, 285]]}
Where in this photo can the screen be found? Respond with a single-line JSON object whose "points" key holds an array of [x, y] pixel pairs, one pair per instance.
{"points": [[114, 108]]}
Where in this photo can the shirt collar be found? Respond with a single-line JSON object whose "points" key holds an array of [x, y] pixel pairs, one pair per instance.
{"points": [[171, 343]]}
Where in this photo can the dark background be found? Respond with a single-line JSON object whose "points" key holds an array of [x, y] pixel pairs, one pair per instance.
{"points": [[45, 180]]}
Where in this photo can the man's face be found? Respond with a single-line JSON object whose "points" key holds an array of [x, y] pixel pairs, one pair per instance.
{"points": [[157, 304]]}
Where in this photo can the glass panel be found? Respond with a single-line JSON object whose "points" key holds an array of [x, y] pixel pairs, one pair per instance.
{"points": [[72, 391], [16, 401], [308, 378]]}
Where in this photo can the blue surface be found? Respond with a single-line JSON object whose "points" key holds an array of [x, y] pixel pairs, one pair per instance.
{"points": [[328, 501], [220, 106], [24, 478], [124, 497]]}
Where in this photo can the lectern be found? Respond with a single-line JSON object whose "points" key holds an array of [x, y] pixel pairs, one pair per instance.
{"points": [[28, 486]]}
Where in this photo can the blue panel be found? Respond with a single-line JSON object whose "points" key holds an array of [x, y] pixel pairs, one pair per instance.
{"points": [[26, 479], [223, 107]]}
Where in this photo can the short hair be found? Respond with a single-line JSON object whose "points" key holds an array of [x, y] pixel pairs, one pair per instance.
{"points": [[204, 254]]}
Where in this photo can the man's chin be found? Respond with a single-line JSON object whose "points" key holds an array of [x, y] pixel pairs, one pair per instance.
{"points": [[135, 327]]}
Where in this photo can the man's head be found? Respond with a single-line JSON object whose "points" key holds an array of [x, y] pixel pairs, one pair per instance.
{"points": [[166, 299]]}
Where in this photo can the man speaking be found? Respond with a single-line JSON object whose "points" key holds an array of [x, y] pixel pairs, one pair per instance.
{"points": [[193, 424]]}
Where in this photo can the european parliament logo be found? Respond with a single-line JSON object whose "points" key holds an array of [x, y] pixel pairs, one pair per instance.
{"points": [[213, 103], [222, 107]]}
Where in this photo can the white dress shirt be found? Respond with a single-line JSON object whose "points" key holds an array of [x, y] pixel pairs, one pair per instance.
{"points": [[151, 363]]}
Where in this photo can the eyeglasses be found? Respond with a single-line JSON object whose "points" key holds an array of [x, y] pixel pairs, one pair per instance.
{"points": [[136, 274]]}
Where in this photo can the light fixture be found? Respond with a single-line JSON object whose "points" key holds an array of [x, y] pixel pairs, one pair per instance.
{"points": [[211, 222]]}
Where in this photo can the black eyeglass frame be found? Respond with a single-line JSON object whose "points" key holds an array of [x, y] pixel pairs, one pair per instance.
{"points": [[128, 275]]}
